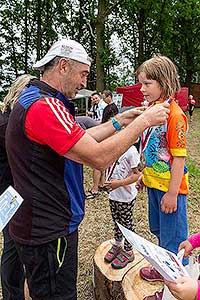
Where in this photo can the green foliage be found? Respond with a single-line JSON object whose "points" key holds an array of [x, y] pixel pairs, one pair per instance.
{"points": [[141, 28], [193, 168]]}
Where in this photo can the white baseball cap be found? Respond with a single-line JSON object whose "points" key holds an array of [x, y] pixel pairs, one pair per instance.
{"points": [[64, 48]]}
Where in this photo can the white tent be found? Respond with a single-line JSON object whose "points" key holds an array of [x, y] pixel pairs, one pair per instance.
{"points": [[86, 94]]}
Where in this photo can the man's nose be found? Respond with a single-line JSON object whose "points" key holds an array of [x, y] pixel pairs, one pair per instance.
{"points": [[84, 82]]}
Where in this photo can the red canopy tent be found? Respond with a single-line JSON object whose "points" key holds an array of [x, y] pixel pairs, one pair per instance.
{"points": [[132, 96]]}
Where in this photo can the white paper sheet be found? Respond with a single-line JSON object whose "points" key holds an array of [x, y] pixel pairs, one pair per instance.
{"points": [[10, 201], [164, 261]]}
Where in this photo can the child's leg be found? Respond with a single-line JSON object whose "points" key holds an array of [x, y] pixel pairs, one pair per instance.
{"points": [[174, 227], [170, 228], [126, 255], [116, 247], [115, 212], [126, 219], [154, 211]]}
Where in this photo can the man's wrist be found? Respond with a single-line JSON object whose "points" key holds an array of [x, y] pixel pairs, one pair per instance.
{"points": [[145, 121], [116, 124]]}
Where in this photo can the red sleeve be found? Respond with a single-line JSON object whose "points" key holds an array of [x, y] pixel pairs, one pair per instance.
{"points": [[48, 122]]}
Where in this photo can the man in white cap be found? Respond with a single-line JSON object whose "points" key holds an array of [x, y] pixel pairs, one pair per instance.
{"points": [[46, 150]]}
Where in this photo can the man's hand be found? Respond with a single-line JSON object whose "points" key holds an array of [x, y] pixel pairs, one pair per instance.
{"points": [[185, 288], [156, 114], [169, 203], [187, 246], [128, 116]]}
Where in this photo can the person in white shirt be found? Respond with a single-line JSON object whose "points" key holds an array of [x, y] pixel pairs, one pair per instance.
{"points": [[121, 178], [97, 107]]}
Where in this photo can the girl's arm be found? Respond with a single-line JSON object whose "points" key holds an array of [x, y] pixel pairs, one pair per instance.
{"points": [[195, 240], [190, 244], [198, 292], [169, 200], [115, 183]]}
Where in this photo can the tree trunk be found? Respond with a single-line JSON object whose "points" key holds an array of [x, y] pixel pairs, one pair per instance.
{"points": [[141, 23], [189, 71], [26, 38], [122, 284], [13, 57], [100, 43], [39, 29]]}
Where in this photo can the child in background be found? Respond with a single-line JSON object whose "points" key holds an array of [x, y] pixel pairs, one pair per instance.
{"points": [[191, 106], [164, 152], [121, 178], [186, 288]]}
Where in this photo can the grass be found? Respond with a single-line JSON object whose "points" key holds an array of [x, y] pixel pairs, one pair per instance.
{"points": [[193, 168], [97, 225]]}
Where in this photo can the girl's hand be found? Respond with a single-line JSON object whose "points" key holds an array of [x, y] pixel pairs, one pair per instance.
{"points": [[112, 185], [168, 203], [140, 186], [185, 288], [187, 246]]}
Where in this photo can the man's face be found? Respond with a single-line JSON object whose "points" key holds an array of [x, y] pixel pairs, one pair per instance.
{"points": [[107, 99], [74, 79], [95, 98]]}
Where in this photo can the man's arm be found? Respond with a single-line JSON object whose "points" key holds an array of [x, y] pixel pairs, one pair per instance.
{"points": [[99, 155], [106, 129]]}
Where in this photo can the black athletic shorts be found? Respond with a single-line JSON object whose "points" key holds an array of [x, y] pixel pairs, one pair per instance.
{"points": [[51, 269]]}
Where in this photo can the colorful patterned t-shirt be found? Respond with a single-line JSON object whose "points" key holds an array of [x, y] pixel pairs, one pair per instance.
{"points": [[159, 145]]}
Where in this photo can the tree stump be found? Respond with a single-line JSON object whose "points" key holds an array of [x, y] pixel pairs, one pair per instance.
{"points": [[123, 284]]}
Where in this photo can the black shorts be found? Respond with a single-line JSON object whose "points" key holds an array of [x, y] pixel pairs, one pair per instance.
{"points": [[190, 112], [46, 280]]}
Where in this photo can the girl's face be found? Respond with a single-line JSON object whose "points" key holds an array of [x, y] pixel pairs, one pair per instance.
{"points": [[151, 89]]}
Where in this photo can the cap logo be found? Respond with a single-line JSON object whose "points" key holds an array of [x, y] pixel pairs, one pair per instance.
{"points": [[66, 50]]}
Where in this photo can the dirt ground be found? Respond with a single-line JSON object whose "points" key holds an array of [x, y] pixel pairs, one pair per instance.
{"points": [[97, 226]]}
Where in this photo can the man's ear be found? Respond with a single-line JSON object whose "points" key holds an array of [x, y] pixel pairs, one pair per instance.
{"points": [[63, 65]]}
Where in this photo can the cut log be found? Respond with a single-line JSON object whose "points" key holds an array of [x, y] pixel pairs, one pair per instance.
{"points": [[123, 284]]}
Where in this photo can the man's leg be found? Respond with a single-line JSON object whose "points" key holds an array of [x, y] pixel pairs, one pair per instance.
{"points": [[12, 271], [94, 191], [102, 180], [96, 180], [51, 268]]}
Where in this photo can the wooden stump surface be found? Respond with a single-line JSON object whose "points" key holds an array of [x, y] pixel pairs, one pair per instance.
{"points": [[122, 284]]}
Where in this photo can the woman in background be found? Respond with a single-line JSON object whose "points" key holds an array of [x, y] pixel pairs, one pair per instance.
{"points": [[12, 271]]}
